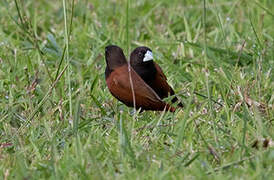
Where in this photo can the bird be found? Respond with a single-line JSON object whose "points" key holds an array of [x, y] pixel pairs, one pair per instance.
{"points": [[117, 76], [141, 60]]}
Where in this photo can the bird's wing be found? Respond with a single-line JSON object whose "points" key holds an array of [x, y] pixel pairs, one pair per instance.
{"points": [[164, 88], [145, 97], [161, 82], [160, 71]]}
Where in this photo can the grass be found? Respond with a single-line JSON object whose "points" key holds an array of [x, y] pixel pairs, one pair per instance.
{"points": [[58, 119]]}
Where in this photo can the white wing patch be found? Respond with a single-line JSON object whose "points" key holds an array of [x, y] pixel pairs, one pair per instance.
{"points": [[148, 56]]}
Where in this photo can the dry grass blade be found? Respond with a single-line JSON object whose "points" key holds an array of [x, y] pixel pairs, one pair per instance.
{"points": [[42, 101], [232, 164]]}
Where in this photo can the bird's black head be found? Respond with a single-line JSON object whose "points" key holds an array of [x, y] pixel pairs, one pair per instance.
{"points": [[114, 57], [141, 60], [141, 56]]}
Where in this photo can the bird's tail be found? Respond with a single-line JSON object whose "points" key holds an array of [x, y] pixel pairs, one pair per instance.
{"points": [[175, 99]]}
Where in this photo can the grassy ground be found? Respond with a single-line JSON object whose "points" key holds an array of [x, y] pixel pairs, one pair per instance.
{"points": [[58, 119]]}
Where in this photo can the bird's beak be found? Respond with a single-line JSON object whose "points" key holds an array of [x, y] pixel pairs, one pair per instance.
{"points": [[148, 56]]}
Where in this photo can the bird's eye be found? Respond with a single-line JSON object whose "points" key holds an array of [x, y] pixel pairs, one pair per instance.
{"points": [[140, 54]]}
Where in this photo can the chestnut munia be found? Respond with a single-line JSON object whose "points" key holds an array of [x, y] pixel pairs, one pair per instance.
{"points": [[141, 60]]}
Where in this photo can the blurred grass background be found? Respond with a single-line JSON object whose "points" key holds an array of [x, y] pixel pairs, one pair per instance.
{"points": [[58, 119]]}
